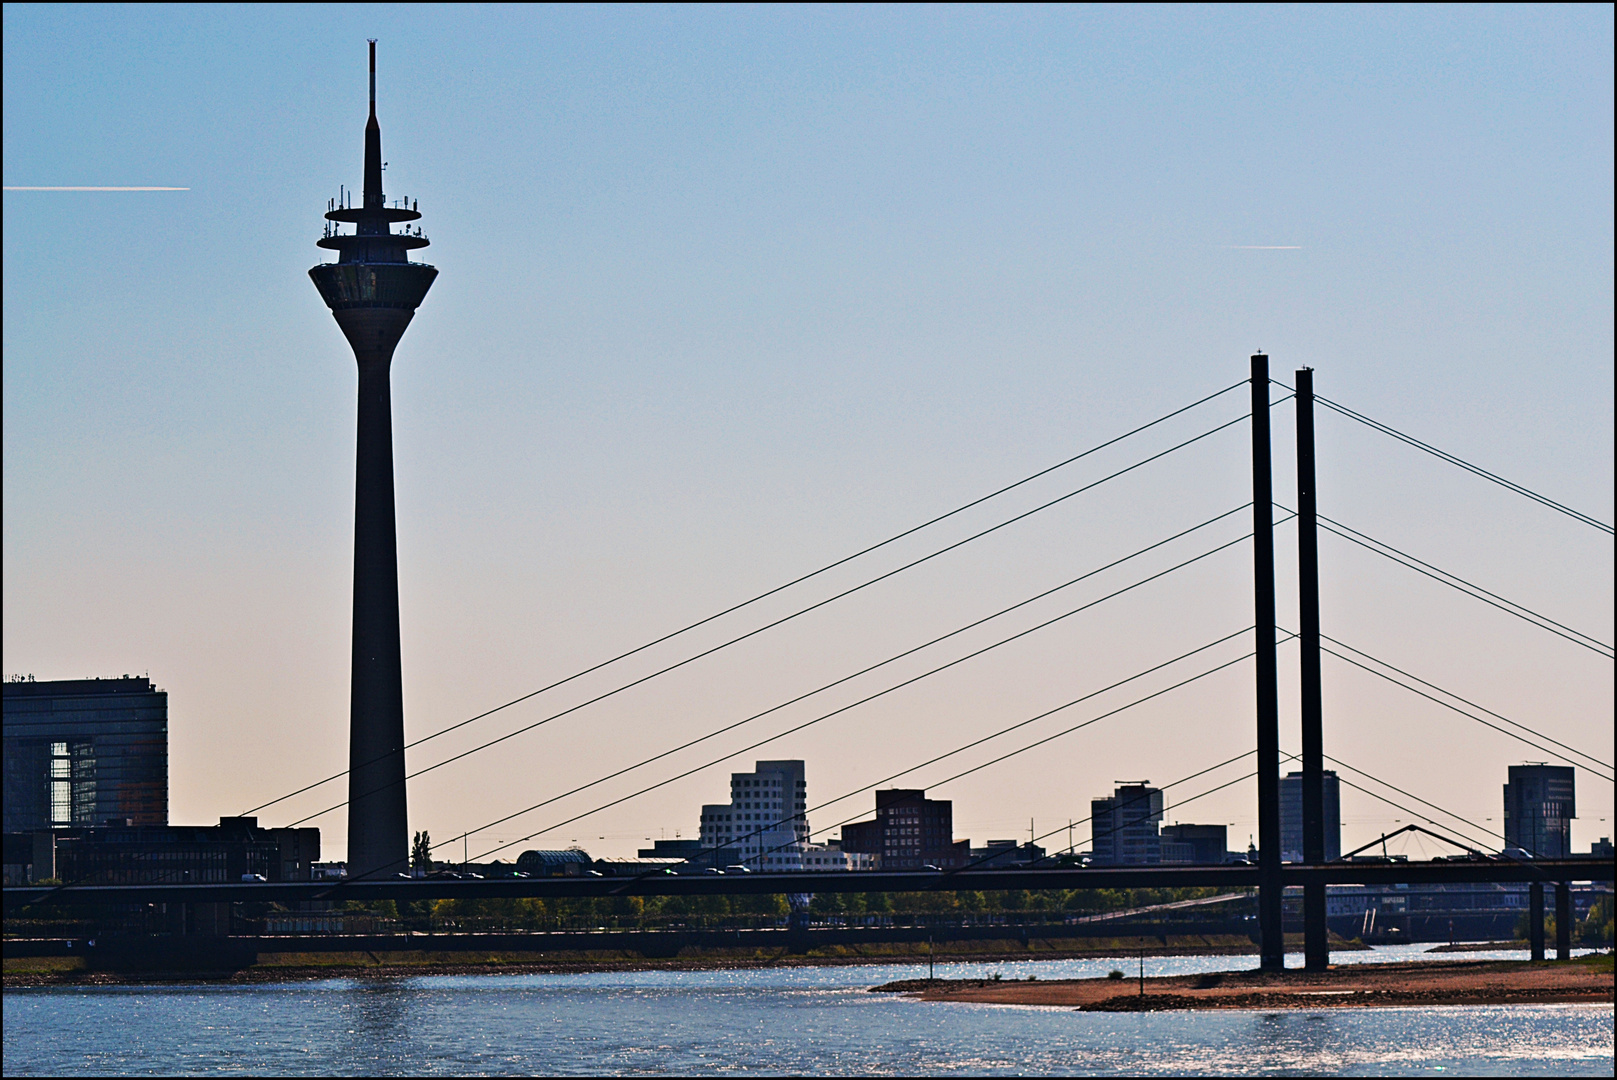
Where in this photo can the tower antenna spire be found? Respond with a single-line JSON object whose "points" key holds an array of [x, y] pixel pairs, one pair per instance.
{"points": [[373, 149]]}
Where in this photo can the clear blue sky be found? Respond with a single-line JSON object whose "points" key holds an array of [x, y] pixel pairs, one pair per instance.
{"points": [[727, 293]]}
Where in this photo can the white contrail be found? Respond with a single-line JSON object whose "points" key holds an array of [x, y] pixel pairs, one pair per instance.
{"points": [[98, 189], [1266, 247]]}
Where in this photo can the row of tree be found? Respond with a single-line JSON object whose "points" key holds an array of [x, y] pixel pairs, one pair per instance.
{"points": [[1594, 931], [631, 912]]}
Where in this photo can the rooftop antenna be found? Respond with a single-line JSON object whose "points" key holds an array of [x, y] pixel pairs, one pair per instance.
{"points": [[373, 77]]}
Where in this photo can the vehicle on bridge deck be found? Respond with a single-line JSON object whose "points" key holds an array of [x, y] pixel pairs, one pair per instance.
{"points": [[573, 862], [637, 867]]}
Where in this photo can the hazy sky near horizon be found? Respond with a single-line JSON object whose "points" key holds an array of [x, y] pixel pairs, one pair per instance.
{"points": [[729, 293]]}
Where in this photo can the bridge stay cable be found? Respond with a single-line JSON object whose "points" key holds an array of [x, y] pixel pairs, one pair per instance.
{"points": [[1443, 455], [855, 704], [1411, 795], [619, 689], [1165, 787], [1081, 821], [1115, 829], [1437, 573], [895, 657], [1459, 462], [1410, 828], [747, 749], [1284, 757], [1287, 757], [796, 581], [1159, 693], [1042, 836], [1474, 705], [988, 738], [1462, 712], [1532, 853]]}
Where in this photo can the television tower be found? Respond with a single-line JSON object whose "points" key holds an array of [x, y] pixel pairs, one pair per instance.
{"points": [[373, 290]]}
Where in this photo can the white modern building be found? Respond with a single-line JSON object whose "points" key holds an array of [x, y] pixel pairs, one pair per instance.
{"points": [[831, 857], [765, 821]]}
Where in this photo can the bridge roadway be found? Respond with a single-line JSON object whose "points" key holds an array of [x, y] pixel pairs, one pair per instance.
{"points": [[709, 884], [157, 951]]}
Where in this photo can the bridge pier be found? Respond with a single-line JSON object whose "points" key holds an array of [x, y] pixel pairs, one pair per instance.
{"points": [[1563, 920], [1535, 920]]}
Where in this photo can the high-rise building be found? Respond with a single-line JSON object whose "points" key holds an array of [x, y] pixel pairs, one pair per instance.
{"points": [[909, 832], [1291, 816], [1540, 803], [1195, 844], [1123, 828], [83, 752], [373, 290], [765, 819]]}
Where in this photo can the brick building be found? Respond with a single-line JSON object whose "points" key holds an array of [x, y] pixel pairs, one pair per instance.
{"points": [[909, 832]]}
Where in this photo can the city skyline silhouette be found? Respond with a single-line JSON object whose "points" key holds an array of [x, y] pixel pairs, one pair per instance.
{"points": [[750, 316]]}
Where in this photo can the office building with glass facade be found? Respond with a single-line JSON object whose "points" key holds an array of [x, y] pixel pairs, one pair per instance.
{"points": [[85, 752]]}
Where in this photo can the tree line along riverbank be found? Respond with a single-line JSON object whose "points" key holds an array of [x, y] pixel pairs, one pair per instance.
{"points": [[290, 964], [741, 911]]}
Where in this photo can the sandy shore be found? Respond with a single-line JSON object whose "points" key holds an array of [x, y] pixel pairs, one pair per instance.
{"points": [[1481, 946], [1587, 980]]}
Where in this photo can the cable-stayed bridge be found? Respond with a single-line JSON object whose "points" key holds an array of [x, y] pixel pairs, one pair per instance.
{"points": [[1254, 637]]}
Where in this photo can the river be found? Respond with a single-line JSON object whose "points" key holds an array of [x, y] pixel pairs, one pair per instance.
{"points": [[815, 1020]]}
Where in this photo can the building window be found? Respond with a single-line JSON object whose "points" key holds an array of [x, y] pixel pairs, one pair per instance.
{"points": [[61, 785]]}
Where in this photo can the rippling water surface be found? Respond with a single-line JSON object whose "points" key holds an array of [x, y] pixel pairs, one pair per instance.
{"points": [[794, 1020]]}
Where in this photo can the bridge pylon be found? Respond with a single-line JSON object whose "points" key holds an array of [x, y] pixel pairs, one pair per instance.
{"points": [[1271, 888], [1316, 935]]}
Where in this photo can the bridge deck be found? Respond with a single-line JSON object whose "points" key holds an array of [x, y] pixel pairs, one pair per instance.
{"points": [[660, 884]]}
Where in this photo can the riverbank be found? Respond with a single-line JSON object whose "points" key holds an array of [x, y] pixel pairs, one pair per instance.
{"points": [[293, 966], [1587, 980]]}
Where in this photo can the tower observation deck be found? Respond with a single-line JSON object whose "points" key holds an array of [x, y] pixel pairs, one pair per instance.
{"points": [[373, 290]]}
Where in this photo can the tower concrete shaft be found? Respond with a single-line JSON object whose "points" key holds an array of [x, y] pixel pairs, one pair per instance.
{"points": [[373, 290]]}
